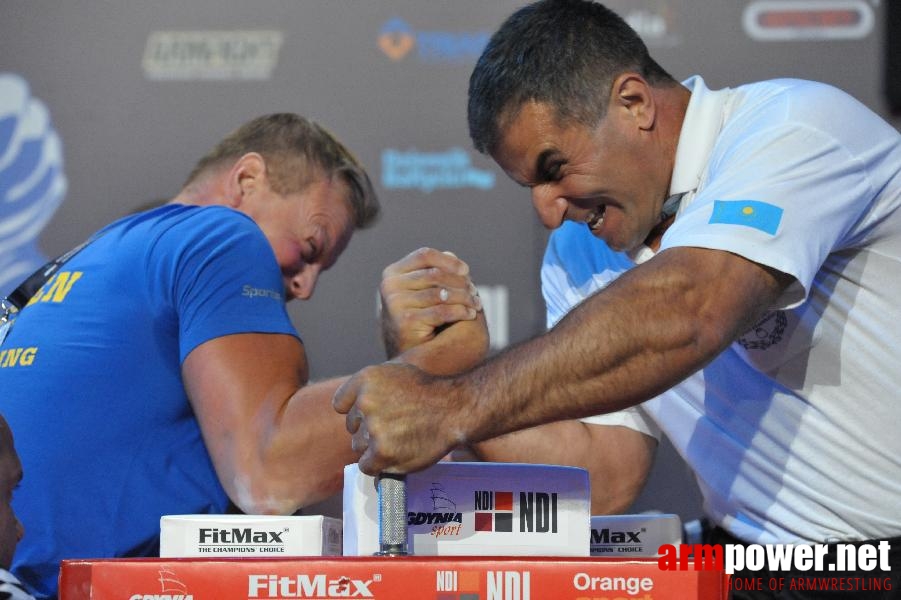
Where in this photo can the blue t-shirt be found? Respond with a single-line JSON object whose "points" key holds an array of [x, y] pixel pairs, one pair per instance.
{"points": [[91, 381]]}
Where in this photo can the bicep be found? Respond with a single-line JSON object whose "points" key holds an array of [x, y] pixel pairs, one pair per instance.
{"points": [[237, 384]]}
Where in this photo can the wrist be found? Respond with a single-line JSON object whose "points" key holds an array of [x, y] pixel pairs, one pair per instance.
{"points": [[463, 402]]}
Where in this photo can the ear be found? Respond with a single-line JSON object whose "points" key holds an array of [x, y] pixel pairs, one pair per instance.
{"points": [[245, 179], [632, 92]]}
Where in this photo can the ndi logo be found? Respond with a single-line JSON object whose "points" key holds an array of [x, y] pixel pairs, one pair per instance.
{"points": [[397, 39], [429, 171], [509, 585], [465, 583], [494, 511], [500, 505]]}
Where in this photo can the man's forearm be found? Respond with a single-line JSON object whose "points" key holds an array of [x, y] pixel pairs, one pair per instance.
{"points": [[644, 333]]}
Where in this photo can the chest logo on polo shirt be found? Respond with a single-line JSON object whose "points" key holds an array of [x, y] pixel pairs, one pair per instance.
{"points": [[767, 332]]}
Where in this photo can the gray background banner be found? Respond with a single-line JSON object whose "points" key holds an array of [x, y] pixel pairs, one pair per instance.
{"points": [[137, 91]]}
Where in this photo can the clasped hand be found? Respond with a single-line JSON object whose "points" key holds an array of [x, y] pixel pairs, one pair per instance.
{"points": [[405, 415]]}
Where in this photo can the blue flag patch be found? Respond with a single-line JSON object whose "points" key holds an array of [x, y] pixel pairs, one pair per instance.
{"points": [[750, 213]]}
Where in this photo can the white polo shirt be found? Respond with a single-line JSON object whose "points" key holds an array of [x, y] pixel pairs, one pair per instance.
{"points": [[792, 431]]}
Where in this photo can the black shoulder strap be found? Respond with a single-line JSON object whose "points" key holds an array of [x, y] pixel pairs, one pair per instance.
{"points": [[28, 288]]}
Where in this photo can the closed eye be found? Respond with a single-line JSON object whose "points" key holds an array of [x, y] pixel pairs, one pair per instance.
{"points": [[548, 166], [312, 251]]}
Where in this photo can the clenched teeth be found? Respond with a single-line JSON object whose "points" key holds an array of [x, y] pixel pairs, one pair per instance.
{"points": [[596, 218]]}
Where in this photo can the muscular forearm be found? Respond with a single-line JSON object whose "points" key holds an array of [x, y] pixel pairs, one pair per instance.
{"points": [[284, 482], [644, 333], [303, 446]]}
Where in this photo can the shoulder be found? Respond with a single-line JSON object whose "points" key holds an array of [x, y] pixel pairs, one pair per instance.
{"points": [[203, 219], [798, 103], [202, 228]]}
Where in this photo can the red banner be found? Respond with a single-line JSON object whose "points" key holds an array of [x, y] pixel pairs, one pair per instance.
{"points": [[384, 578]]}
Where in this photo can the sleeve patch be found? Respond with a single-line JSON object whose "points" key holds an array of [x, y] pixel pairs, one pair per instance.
{"points": [[750, 213]]}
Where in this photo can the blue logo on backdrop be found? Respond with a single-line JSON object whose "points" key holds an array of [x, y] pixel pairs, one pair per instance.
{"points": [[429, 171], [32, 183], [397, 40]]}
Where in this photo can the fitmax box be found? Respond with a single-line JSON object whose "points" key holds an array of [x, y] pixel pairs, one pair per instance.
{"points": [[477, 509], [634, 535], [249, 536]]}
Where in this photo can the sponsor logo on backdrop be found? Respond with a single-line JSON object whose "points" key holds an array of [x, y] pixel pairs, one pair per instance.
{"points": [[170, 587], [429, 171], [216, 55], [495, 511], [399, 41], [806, 20], [32, 182]]}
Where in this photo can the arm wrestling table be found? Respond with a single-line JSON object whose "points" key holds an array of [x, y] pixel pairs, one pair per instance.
{"points": [[385, 578]]}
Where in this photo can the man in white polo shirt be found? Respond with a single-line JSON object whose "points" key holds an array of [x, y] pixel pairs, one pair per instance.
{"points": [[725, 264]]}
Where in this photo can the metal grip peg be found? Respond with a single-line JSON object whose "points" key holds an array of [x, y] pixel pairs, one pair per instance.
{"points": [[392, 491]]}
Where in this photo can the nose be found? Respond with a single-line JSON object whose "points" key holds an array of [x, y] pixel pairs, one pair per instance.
{"points": [[550, 206], [303, 283]]}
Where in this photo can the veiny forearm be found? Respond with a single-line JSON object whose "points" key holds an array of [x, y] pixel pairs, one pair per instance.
{"points": [[644, 333]]}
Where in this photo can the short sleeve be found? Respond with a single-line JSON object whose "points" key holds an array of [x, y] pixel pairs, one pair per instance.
{"points": [[223, 278]]}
